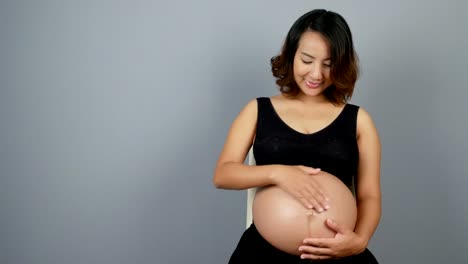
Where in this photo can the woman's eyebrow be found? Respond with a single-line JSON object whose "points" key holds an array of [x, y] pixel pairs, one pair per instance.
{"points": [[308, 55]]}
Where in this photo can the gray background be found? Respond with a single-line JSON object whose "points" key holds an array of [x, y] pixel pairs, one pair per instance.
{"points": [[113, 114]]}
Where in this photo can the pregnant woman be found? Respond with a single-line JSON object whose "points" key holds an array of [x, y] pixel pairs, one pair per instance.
{"points": [[310, 144]]}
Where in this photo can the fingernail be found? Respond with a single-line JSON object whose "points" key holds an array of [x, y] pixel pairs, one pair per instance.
{"points": [[327, 207], [311, 213], [302, 256], [320, 210]]}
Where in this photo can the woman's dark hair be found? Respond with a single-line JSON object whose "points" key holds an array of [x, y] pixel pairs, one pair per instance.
{"points": [[344, 62]]}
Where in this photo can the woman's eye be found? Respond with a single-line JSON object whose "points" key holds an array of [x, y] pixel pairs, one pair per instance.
{"points": [[306, 62], [327, 65]]}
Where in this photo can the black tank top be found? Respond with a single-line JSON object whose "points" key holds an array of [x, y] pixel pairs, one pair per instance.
{"points": [[332, 149]]}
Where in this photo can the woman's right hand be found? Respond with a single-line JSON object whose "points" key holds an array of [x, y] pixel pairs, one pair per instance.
{"points": [[299, 182]]}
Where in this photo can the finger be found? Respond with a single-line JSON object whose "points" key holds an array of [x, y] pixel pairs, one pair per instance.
{"points": [[319, 242], [315, 187], [333, 225], [310, 170], [315, 250], [316, 205], [314, 171], [316, 198], [315, 257], [307, 204]]}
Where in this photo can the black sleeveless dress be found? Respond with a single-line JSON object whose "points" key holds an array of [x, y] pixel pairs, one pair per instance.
{"points": [[333, 149]]}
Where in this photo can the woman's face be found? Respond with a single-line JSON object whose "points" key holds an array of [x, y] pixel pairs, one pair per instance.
{"points": [[312, 64]]}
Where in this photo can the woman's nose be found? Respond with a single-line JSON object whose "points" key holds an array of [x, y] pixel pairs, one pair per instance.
{"points": [[316, 72]]}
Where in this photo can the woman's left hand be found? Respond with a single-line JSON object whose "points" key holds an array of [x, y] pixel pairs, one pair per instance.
{"points": [[345, 243]]}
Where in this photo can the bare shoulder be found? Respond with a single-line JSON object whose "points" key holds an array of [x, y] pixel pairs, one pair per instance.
{"points": [[365, 123], [251, 107], [241, 134], [280, 102], [364, 116], [248, 114], [278, 97]]}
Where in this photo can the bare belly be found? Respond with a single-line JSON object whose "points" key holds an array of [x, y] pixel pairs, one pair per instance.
{"points": [[284, 222]]}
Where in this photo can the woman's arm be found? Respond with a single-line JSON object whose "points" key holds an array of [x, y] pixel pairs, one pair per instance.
{"points": [[230, 171], [368, 193]]}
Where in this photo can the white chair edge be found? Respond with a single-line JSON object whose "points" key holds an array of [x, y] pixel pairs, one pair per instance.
{"points": [[250, 191]]}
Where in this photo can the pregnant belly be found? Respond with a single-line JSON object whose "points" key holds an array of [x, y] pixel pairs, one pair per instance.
{"points": [[284, 222]]}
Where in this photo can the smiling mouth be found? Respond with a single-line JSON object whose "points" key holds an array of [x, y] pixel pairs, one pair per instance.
{"points": [[312, 84]]}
